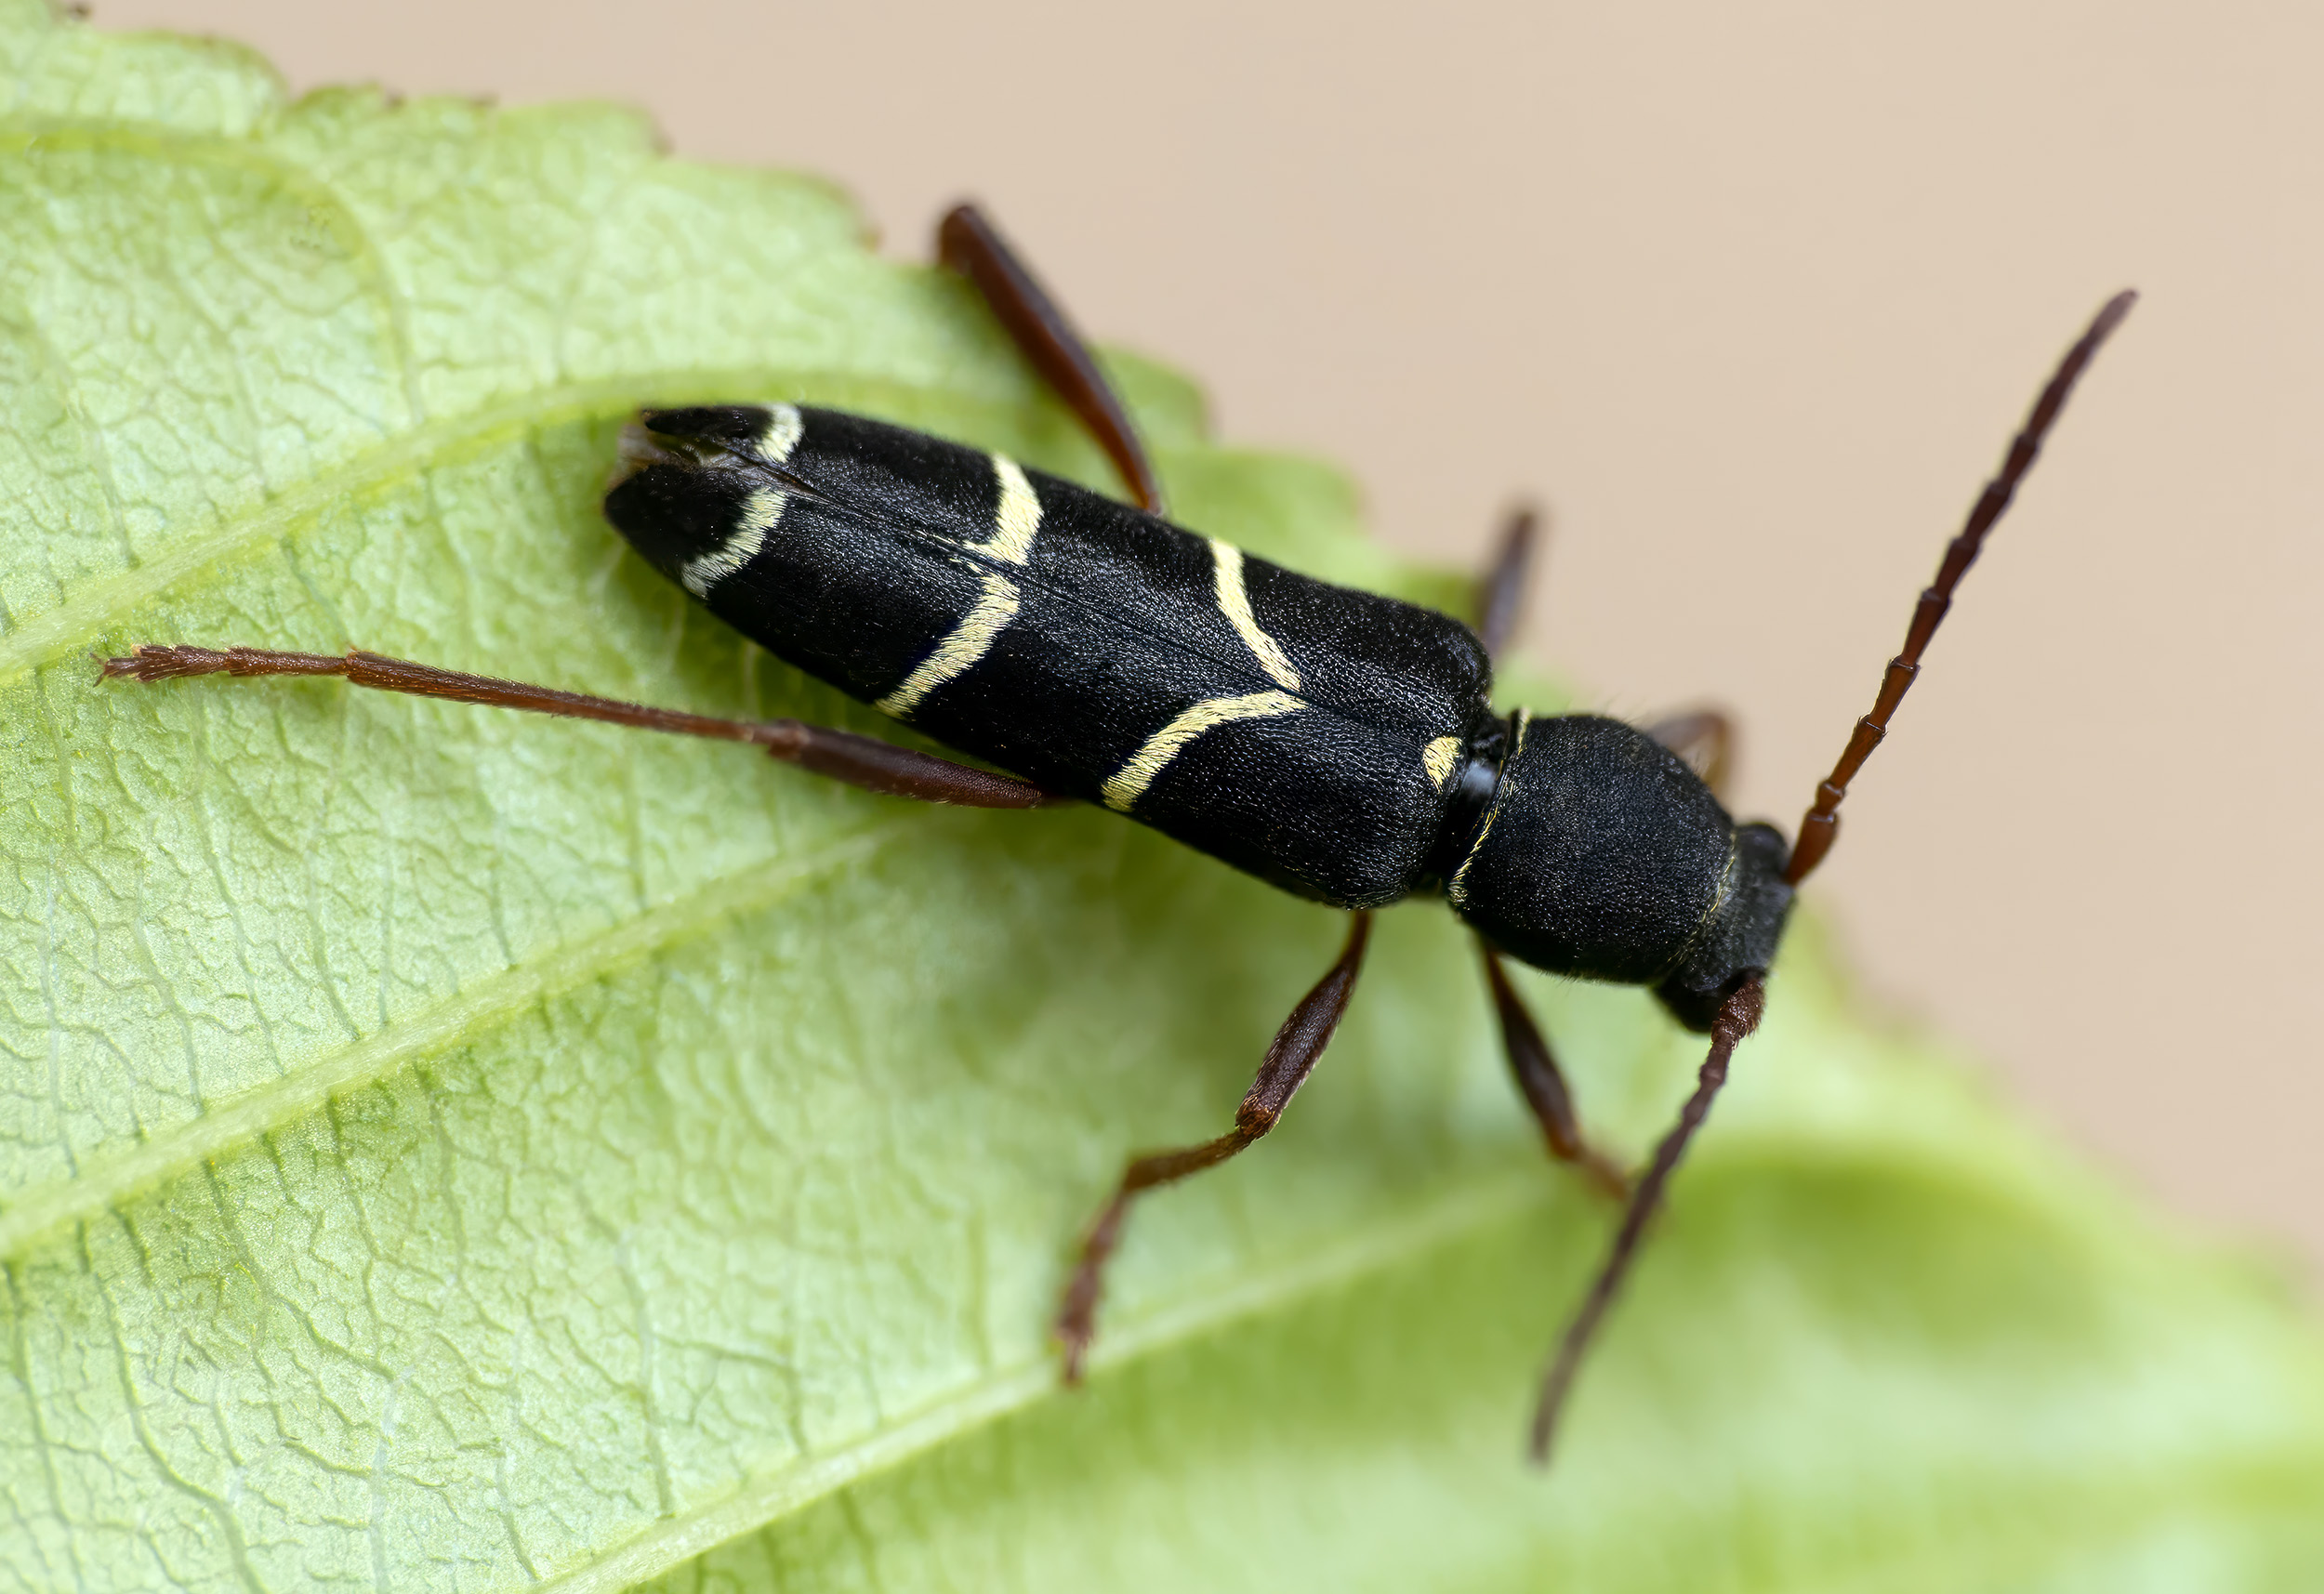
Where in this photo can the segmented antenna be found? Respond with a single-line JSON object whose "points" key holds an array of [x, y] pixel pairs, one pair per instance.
{"points": [[1821, 825], [1738, 1015]]}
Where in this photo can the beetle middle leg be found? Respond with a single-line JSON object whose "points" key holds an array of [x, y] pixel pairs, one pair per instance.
{"points": [[861, 761], [1297, 1046], [1502, 595]]}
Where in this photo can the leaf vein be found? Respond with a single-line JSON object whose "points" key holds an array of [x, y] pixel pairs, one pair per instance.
{"points": [[1468, 1207], [103, 604], [240, 1119]]}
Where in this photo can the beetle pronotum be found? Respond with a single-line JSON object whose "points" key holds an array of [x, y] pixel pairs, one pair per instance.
{"points": [[1338, 743]]}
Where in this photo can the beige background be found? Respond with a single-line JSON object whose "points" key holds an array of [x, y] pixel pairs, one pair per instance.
{"points": [[1752, 294]]}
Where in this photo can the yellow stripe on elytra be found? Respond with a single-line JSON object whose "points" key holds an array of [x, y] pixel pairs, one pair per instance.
{"points": [[970, 641], [1234, 603], [1437, 759], [760, 511], [1458, 887], [1016, 523], [785, 426], [1017, 518], [1131, 780]]}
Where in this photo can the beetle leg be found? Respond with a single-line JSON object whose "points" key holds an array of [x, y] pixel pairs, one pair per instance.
{"points": [[843, 756], [1705, 740], [1502, 595], [1297, 1046], [1540, 1083], [969, 245]]}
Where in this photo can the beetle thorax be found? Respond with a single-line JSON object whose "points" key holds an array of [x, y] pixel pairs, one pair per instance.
{"points": [[1603, 856]]}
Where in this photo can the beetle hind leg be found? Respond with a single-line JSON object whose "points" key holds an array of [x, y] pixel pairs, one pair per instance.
{"points": [[862, 761], [969, 245]]}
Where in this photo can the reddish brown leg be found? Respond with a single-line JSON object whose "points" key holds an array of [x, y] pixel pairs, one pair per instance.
{"points": [[1738, 1018], [1297, 1046], [1705, 740], [842, 756], [1502, 595], [970, 245], [1543, 1086]]}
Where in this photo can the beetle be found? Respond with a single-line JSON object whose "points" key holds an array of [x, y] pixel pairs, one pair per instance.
{"points": [[1335, 743]]}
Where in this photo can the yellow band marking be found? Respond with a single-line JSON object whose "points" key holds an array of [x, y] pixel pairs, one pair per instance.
{"points": [[1131, 782], [1458, 887], [760, 511], [1711, 914], [1018, 518], [1015, 522], [783, 427], [1234, 603], [1437, 759], [970, 641]]}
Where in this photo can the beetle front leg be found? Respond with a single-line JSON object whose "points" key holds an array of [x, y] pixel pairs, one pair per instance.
{"points": [[1297, 1047], [1540, 1083]]}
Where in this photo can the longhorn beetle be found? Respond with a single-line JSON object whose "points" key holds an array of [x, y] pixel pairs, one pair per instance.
{"points": [[1336, 744]]}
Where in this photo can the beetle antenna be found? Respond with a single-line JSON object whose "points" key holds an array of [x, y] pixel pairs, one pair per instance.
{"points": [[1821, 826], [1738, 1015]]}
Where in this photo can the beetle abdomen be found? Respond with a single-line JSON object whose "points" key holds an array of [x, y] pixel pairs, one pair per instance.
{"points": [[1306, 732]]}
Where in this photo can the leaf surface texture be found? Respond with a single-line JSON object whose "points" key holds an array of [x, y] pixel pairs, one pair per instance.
{"points": [[442, 1149]]}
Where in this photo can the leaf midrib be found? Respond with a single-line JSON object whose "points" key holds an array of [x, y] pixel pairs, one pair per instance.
{"points": [[1466, 1208], [2077, 1511], [102, 604]]}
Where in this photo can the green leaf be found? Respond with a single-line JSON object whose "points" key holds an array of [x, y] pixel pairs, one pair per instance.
{"points": [[444, 1148]]}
